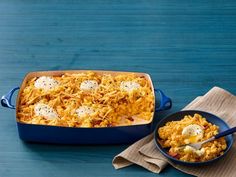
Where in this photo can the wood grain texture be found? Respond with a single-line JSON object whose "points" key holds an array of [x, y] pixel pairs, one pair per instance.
{"points": [[186, 46]]}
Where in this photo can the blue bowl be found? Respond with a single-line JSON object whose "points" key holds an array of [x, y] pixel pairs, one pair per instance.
{"points": [[180, 115]]}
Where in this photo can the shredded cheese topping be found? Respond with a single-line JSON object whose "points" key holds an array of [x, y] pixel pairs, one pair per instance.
{"points": [[107, 104]]}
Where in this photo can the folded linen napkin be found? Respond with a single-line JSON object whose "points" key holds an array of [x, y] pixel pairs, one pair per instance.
{"points": [[144, 152]]}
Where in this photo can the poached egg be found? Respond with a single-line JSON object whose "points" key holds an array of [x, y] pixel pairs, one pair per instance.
{"points": [[129, 86], [84, 110], [45, 111], [46, 83], [192, 133], [89, 85]]}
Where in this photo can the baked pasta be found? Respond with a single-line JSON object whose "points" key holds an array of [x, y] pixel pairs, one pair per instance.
{"points": [[87, 99], [191, 129]]}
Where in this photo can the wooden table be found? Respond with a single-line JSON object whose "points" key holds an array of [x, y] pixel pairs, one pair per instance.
{"points": [[187, 47]]}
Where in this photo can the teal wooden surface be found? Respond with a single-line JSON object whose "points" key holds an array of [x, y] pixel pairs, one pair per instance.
{"points": [[187, 47]]}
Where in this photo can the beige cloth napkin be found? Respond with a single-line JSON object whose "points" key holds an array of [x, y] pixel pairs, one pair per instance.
{"points": [[144, 152]]}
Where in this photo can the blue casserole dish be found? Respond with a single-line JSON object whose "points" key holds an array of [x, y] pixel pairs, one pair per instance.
{"points": [[70, 135]]}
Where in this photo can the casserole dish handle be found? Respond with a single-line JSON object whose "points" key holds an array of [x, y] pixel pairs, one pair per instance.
{"points": [[6, 99], [165, 102]]}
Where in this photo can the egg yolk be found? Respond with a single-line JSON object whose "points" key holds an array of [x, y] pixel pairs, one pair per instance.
{"points": [[192, 133]]}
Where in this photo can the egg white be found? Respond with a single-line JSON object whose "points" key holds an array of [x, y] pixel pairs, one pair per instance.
{"points": [[129, 86], [45, 111], [46, 83], [192, 133], [89, 85]]}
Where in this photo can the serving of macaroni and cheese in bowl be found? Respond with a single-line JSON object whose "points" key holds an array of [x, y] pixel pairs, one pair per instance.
{"points": [[112, 105], [174, 134]]}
